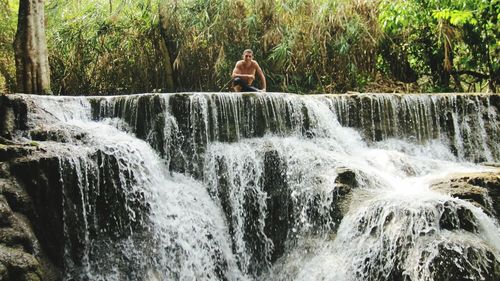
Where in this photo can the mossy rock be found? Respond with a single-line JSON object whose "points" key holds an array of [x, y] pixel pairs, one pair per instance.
{"points": [[17, 260]]}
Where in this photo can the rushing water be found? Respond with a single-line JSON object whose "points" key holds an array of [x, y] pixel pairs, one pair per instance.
{"points": [[248, 187]]}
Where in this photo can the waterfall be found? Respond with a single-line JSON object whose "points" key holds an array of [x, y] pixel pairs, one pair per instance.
{"points": [[454, 119], [457, 121], [201, 186], [126, 216]]}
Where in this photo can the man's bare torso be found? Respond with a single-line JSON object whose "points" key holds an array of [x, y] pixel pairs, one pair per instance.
{"points": [[247, 68]]}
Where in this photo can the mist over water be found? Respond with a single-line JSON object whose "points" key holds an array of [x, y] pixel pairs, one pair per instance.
{"points": [[240, 187]]}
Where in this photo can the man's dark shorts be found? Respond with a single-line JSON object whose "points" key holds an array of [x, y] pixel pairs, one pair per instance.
{"points": [[244, 85]]}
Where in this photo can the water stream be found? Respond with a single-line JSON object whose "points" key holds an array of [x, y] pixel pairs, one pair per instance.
{"points": [[247, 187]]}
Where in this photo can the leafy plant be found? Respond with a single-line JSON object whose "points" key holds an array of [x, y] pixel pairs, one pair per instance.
{"points": [[8, 22], [444, 39]]}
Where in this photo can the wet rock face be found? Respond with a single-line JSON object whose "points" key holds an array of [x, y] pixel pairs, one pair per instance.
{"points": [[8, 152], [256, 232], [13, 115], [482, 189], [180, 126], [50, 205], [180, 129], [346, 178], [279, 202], [70, 208], [21, 257], [428, 245], [457, 217], [41, 179], [459, 262], [67, 135], [269, 211]]}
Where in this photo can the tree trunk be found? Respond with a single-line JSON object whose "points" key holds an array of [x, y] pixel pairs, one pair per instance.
{"points": [[169, 73], [492, 74], [168, 50], [32, 63]]}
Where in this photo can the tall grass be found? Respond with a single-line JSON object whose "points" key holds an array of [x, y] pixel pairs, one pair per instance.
{"points": [[303, 46], [100, 47]]}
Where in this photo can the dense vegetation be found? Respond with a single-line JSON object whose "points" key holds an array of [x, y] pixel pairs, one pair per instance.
{"points": [[129, 46], [8, 21]]}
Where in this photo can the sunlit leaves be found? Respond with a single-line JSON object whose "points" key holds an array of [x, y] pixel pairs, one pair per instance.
{"points": [[441, 34], [281, 54], [397, 15], [455, 17], [8, 24]]}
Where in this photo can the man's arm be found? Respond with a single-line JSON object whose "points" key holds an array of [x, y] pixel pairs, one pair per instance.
{"points": [[261, 77], [237, 73]]}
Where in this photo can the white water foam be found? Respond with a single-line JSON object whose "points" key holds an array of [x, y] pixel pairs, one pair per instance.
{"points": [[392, 208], [189, 237]]}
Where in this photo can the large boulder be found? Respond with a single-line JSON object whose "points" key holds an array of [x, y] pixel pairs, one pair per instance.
{"points": [[481, 189]]}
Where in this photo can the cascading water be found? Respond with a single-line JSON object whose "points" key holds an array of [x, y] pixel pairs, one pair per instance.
{"points": [[272, 187], [153, 226]]}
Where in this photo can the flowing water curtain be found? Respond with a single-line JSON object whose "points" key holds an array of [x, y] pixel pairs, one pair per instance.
{"points": [[458, 121], [119, 198], [268, 199], [278, 192], [180, 126], [104, 218], [295, 160], [404, 238]]}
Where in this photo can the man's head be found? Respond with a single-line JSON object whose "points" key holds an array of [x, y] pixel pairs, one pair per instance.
{"points": [[247, 55]]}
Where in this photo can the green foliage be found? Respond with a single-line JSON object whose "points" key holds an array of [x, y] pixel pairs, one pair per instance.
{"points": [[304, 46], [455, 17], [104, 46], [34, 143], [8, 25], [446, 38]]}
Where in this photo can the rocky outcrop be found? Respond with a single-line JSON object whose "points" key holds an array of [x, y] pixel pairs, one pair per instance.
{"points": [[455, 261], [279, 202], [482, 189], [51, 205], [325, 211], [13, 115], [450, 260], [76, 200], [22, 256]]}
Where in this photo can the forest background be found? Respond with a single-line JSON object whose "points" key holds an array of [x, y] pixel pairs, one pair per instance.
{"points": [[304, 46]]}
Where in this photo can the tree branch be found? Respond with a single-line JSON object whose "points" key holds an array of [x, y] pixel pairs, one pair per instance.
{"points": [[471, 73]]}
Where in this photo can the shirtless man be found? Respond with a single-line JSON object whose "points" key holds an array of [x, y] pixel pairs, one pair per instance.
{"points": [[244, 74]]}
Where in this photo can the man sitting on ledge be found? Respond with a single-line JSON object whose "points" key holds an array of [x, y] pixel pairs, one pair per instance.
{"points": [[244, 74]]}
